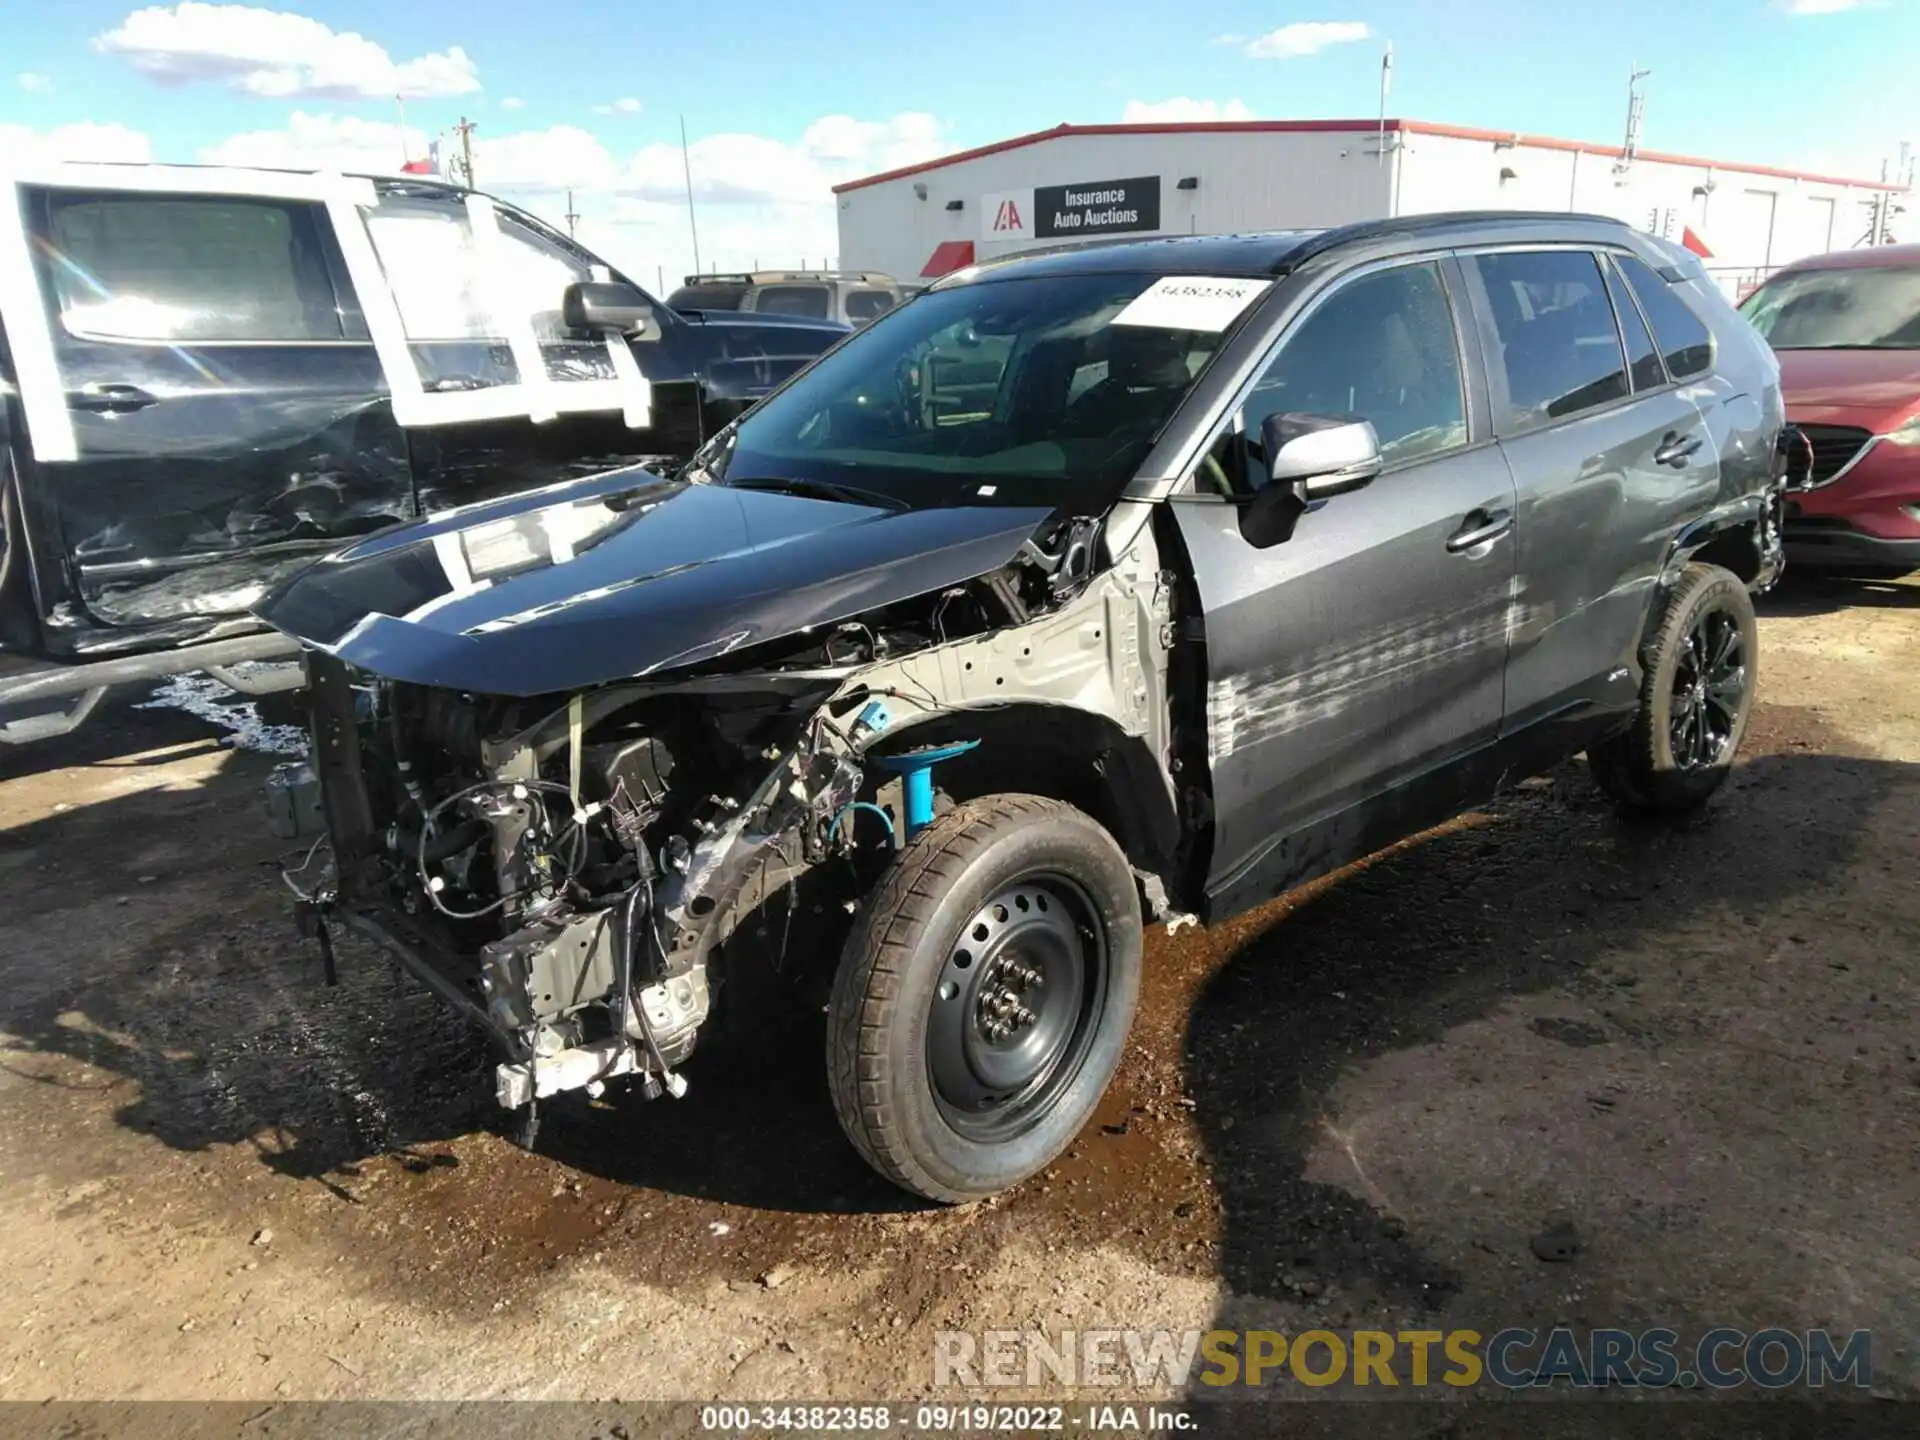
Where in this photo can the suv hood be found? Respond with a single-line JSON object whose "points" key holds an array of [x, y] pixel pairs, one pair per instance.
{"points": [[623, 575], [1875, 388]]}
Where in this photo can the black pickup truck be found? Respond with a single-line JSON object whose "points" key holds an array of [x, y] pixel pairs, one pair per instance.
{"points": [[210, 377]]}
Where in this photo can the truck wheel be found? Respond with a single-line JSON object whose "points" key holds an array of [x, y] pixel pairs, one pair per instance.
{"points": [[1701, 668], [983, 999]]}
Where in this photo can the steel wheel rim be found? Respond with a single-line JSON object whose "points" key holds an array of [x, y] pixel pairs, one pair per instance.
{"points": [[1709, 692], [1016, 1007]]}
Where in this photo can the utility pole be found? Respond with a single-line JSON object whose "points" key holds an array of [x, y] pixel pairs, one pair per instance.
{"points": [[573, 217], [686, 161], [465, 131]]}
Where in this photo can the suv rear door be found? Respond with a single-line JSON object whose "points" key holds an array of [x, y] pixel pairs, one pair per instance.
{"points": [[1610, 458], [205, 411]]}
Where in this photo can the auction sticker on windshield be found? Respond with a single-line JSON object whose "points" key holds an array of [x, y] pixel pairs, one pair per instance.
{"points": [[1192, 302]]}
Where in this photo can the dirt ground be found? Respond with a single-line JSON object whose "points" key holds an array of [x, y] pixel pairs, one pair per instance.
{"points": [[1355, 1108]]}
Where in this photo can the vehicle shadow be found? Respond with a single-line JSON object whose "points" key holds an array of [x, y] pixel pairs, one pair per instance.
{"points": [[1543, 892], [1803, 592]]}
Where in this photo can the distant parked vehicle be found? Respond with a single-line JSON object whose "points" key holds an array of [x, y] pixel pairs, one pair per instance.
{"points": [[1846, 327], [853, 297]]}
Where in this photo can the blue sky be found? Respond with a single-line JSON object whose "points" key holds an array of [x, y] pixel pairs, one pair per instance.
{"points": [[587, 93]]}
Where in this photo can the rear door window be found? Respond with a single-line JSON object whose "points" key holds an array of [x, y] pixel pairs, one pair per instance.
{"points": [[812, 301], [190, 269], [864, 305], [1685, 342], [1559, 348]]}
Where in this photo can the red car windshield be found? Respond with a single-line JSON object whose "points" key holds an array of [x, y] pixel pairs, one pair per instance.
{"points": [[1855, 308]]}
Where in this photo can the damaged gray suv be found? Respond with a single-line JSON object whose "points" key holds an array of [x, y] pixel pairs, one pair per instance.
{"points": [[1091, 589]]}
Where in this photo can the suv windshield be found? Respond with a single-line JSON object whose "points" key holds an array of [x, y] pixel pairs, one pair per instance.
{"points": [[1046, 390], [1859, 308]]}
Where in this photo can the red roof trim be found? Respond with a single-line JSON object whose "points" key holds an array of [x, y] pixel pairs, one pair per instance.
{"points": [[1309, 127], [948, 256]]}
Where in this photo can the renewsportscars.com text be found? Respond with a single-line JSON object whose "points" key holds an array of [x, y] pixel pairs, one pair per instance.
{"points": [[1513, 1358]]}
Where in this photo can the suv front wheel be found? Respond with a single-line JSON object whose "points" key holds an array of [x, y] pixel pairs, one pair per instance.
{"points": [[983, 999], [1695, 699]]}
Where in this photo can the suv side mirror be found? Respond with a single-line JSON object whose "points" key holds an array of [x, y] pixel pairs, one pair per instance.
{"points": [[1310, 458], [1321, 455], [604, 305]]}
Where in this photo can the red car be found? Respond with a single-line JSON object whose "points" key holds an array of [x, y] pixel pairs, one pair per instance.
{"points": [[1846, 327]]}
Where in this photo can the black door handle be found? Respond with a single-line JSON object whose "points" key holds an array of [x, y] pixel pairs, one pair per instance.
{"points": [[1674, 450], [105, 399], [1478, 528]]}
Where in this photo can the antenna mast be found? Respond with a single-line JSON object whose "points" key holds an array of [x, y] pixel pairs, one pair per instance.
{"points": [[686, 161], [1636, 117], [573, 217]]}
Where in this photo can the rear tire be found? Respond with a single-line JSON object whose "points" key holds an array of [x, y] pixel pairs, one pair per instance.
{"points": [[983, 999], [1701, 668]]}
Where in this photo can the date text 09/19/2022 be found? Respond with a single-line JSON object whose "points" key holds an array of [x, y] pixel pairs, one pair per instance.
{"points": [[939, 1419]]}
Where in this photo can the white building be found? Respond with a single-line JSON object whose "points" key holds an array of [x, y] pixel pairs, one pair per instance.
{"points": [[1081, 181]]}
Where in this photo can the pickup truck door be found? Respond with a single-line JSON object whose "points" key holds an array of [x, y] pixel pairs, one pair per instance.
{"points": [[1352, 665], [227, 373], [203, 411]]}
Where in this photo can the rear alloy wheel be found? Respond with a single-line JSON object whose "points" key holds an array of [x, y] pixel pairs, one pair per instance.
{"points": [[1701, 668], [983, 1000]]}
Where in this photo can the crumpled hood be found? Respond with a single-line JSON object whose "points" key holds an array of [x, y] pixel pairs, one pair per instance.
{"points": [[622, 575], [1874, 388]]}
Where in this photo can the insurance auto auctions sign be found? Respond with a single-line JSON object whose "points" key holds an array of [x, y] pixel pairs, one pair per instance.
{"points": [[1072, 211]]}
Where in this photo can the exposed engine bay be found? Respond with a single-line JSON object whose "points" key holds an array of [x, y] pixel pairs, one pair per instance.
{"points": [[567, 869]]}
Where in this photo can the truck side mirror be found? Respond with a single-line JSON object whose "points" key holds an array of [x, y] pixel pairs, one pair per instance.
{"points": [[605, 305]]}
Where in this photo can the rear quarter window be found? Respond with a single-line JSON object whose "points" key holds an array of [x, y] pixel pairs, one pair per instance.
{"points": [[1685, 342], [812, 301]]}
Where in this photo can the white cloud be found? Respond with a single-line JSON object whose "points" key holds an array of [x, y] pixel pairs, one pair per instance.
{"points": [[35, 83], [627, 105], [323, 142], [83, 140], [1306, 37], [529, 161], [1182, 111], [512, 102], [1827, 7], [278, 55], [760, 200]]}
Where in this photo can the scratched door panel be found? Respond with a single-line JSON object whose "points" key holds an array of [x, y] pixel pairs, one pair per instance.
{"points": [[1353, 656]]}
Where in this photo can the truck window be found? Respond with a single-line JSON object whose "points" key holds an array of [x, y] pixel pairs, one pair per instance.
{"points": [[205, 269], [812, 301], [864, 305]]}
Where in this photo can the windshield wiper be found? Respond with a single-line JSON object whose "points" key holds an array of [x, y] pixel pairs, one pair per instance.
{"points": [[815, 490]]}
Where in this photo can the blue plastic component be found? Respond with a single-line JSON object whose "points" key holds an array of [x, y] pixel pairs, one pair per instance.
{"points": [[915, 769], [874, 718]]}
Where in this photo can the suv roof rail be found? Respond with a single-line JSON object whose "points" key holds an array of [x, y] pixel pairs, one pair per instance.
{"points": [[1320, 241], [775, 277]]}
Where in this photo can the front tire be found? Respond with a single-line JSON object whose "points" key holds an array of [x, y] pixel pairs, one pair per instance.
{"points": [[982, 1002], [1702, 666]]}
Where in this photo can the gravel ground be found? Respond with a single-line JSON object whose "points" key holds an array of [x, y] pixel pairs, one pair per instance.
{"points": [[1358, 1107]]}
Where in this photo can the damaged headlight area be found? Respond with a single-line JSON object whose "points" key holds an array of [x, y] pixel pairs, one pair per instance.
{"points": [[566, 869]]}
